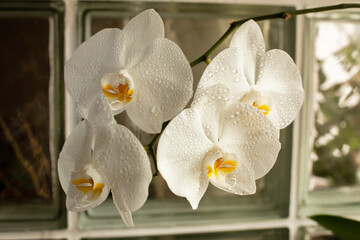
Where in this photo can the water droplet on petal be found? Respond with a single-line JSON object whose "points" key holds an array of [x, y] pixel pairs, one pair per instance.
{"points": [[155, 109]]}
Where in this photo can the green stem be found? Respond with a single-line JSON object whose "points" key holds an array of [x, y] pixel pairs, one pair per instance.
{"points": [[207, 61], [153, 155], [150, 148], [284, 15]]}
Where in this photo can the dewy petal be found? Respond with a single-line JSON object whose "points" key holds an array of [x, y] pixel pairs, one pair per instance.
{"points": [[249, 42], [100, 116], [100, 112], [181, 149], [127, 218], [124, 120], [96, 57], [225, 69], [163, 81], [280, 80], [210, 103], [126, 167], [244, 179], [74, 157], [250, 135], [139, 33]]}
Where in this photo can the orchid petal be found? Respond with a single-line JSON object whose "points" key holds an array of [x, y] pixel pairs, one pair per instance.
{"points": [[281, 80], [245, 178], [100, 115], [163, 86], [225, 69], [100, 112], [249, 42], [95, 58], [123, 119], [249, 134], [126, 167], [139, 33], [75, 158], [127, 218], [210, 103], [181, 149]]}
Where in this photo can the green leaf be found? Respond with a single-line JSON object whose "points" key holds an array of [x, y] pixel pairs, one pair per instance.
{"points": [[344, 228]]}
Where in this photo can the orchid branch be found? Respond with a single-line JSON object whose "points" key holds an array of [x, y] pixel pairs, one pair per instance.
{"points": [[233, 26], [150, 148], [284, 15]]}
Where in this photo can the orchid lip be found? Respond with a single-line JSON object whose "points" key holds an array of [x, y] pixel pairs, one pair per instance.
{"points": [[88, 182], [118, 88], [219, 168], [256, 99]]}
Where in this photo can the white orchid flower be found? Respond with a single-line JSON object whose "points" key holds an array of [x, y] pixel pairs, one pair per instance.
{"points": [[230, 144], [268, 80], [137, 69], [101, 156]]}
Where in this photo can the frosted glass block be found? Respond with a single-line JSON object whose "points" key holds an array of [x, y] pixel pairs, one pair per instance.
{"points": [[315, 233], [330, 128], [337, 133], [195, 27], [31, 114], [324, 237], [270, 234]]}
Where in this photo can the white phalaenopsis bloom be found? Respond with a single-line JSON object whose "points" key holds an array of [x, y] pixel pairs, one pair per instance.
{"points": [[137, 69], [101, 156], [227, 143], [268, 80]]}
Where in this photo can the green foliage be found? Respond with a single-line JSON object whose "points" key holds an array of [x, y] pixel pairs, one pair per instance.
{"points": [[341, 169], [344, 228]]}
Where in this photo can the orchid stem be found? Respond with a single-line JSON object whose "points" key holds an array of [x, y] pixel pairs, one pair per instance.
{"points": [[207, 61], [284, 15], [150, 148], [153, 155]]}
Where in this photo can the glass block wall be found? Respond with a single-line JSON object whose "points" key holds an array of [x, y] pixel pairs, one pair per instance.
{"points": [[31, 115], [317, 170], [330, 130]]}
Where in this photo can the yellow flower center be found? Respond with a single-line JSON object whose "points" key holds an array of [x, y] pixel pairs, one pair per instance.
{"points": [[121, 92], [264, 108], [86, 185], [221, 168]]}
